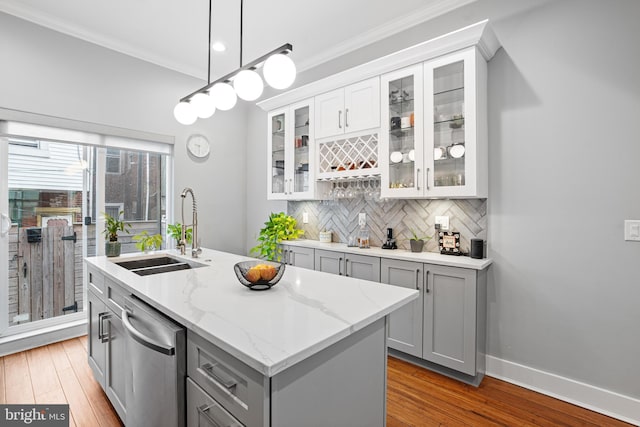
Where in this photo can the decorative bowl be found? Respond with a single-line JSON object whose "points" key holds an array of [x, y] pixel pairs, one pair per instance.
{"points": [[259, 275]]}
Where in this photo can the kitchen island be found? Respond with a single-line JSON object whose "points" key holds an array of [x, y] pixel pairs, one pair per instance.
{"points": [[310, 351]]}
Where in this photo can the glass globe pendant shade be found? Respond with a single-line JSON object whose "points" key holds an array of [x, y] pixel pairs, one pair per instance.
{"points": [[203, 105], [185, 113], [279, 71], [248, 85], [223, 95]]}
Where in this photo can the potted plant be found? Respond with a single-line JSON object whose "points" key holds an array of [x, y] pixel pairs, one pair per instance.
{"points": [[146, 243], [175, 231], [111, 227], [279, 227], [417, 243]]}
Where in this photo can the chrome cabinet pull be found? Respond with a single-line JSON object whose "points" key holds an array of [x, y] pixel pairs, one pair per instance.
{"points": [[292, 257], [340, 266], [204, 411], [215, 374], [427, 178], [346, 118], [104, 336], [418, 179], [340, 119]]}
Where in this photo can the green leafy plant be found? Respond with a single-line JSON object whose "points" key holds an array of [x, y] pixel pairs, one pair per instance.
{"points": [[414, 236], [146, 242], [279, 227], [113, 225], [175, 231]]}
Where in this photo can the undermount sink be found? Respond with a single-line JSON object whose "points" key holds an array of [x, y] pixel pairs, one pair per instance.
{"points": [[157, 264]]}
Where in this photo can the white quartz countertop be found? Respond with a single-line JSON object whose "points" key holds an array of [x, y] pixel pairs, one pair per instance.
{"points": [[426, 257], [307, 311]]}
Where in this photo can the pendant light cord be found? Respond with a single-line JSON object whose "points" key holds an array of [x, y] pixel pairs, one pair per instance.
{"points": [[241, 19], [209, 48]]}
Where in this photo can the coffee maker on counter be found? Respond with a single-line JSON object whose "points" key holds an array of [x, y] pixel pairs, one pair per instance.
{"points": [[391, 242]]}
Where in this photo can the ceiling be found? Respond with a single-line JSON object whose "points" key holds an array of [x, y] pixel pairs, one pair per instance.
{"points": [[173, 33]]}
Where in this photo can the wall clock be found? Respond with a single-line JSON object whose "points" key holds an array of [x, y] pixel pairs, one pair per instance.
{"points": [[198, 145]]}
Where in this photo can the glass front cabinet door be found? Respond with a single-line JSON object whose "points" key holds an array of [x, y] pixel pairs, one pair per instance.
{"points": [[456, 125], [291, 151], [402, 147]]}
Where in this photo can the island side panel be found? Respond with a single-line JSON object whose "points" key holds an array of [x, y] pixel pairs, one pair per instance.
{"points": [[343, 385]]}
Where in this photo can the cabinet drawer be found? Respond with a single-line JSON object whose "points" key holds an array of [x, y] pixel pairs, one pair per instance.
{"points": [[203, 410], [115, 296], [96, 281], [240, 389]]}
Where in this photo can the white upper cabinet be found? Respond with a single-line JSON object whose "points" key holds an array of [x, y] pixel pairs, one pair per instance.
{"points": [[456, 125], [347, 110], [434, 128], [291, 152]]}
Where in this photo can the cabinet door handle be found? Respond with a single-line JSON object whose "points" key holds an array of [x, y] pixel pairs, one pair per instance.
{"points": [[104, 336], [346, 118], [427, 178], [340, 266], [426, 282], [418, 179], [292, 257], [340, 119], [346, 267], [417, 278]]}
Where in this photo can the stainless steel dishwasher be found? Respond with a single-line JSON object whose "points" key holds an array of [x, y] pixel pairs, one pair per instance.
{"points": [[156, 351]]}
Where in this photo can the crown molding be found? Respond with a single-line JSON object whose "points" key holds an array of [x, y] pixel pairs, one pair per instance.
{"points": [[31, 15], [381, 32], [470, 36]]}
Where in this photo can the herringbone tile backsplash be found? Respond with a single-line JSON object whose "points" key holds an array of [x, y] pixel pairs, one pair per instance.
{"points": [[469, 217]]}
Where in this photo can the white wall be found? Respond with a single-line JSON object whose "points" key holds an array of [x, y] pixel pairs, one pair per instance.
{"points": [[564, 103], [50, 73]]}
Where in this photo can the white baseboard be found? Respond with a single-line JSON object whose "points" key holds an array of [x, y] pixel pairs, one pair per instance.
{"points": [[32, 339], [594, 398]]}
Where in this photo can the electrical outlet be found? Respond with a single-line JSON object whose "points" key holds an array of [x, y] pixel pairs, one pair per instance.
{"points": [[632, 230], [362, 219], [305, 217], [443, 221]]}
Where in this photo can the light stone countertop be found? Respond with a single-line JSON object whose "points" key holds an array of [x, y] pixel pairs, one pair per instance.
{"points": [[306, 312], [426, 257]]}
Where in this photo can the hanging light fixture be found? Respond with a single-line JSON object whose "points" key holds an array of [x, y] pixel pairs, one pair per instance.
{"points": [[279, 72]]}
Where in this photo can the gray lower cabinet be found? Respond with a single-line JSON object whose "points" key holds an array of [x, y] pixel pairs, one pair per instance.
{"points": [[106, 342], [204, 411], [404, 327], [347, 264], [450, 328], [299, 257]]}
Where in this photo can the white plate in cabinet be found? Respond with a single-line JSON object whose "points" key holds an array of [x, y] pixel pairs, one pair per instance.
{"points": [[353, 108]]}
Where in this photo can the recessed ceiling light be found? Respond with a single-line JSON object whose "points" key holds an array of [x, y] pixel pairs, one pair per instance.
{"points": [[218, 46]]}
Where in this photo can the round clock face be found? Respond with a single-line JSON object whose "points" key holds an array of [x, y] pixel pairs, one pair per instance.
{"points": [[198, 145]]}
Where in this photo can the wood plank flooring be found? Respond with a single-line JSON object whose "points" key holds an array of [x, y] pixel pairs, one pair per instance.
{"points": [[59, 373]]}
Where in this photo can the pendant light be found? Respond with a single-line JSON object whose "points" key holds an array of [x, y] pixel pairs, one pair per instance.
{"points": [[245, 83]]}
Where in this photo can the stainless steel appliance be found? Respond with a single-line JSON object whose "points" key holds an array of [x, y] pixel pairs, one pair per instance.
{"points": [[156, 350]]}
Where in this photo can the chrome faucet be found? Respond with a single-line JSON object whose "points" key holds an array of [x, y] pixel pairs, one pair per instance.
{"points": [[195, 250]]}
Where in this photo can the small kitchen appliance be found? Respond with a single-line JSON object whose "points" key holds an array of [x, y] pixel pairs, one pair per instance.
{"points": [[391, 242]]}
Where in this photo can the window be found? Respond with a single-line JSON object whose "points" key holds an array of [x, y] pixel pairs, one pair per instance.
{"points": [[28, 147], [113, 209], [113, 161]]}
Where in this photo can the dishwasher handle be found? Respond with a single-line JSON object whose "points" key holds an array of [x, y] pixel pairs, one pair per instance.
{"points": [[145, 340]]}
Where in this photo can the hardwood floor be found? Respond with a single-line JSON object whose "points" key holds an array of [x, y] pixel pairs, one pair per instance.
{"points": [[59, 373]]}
